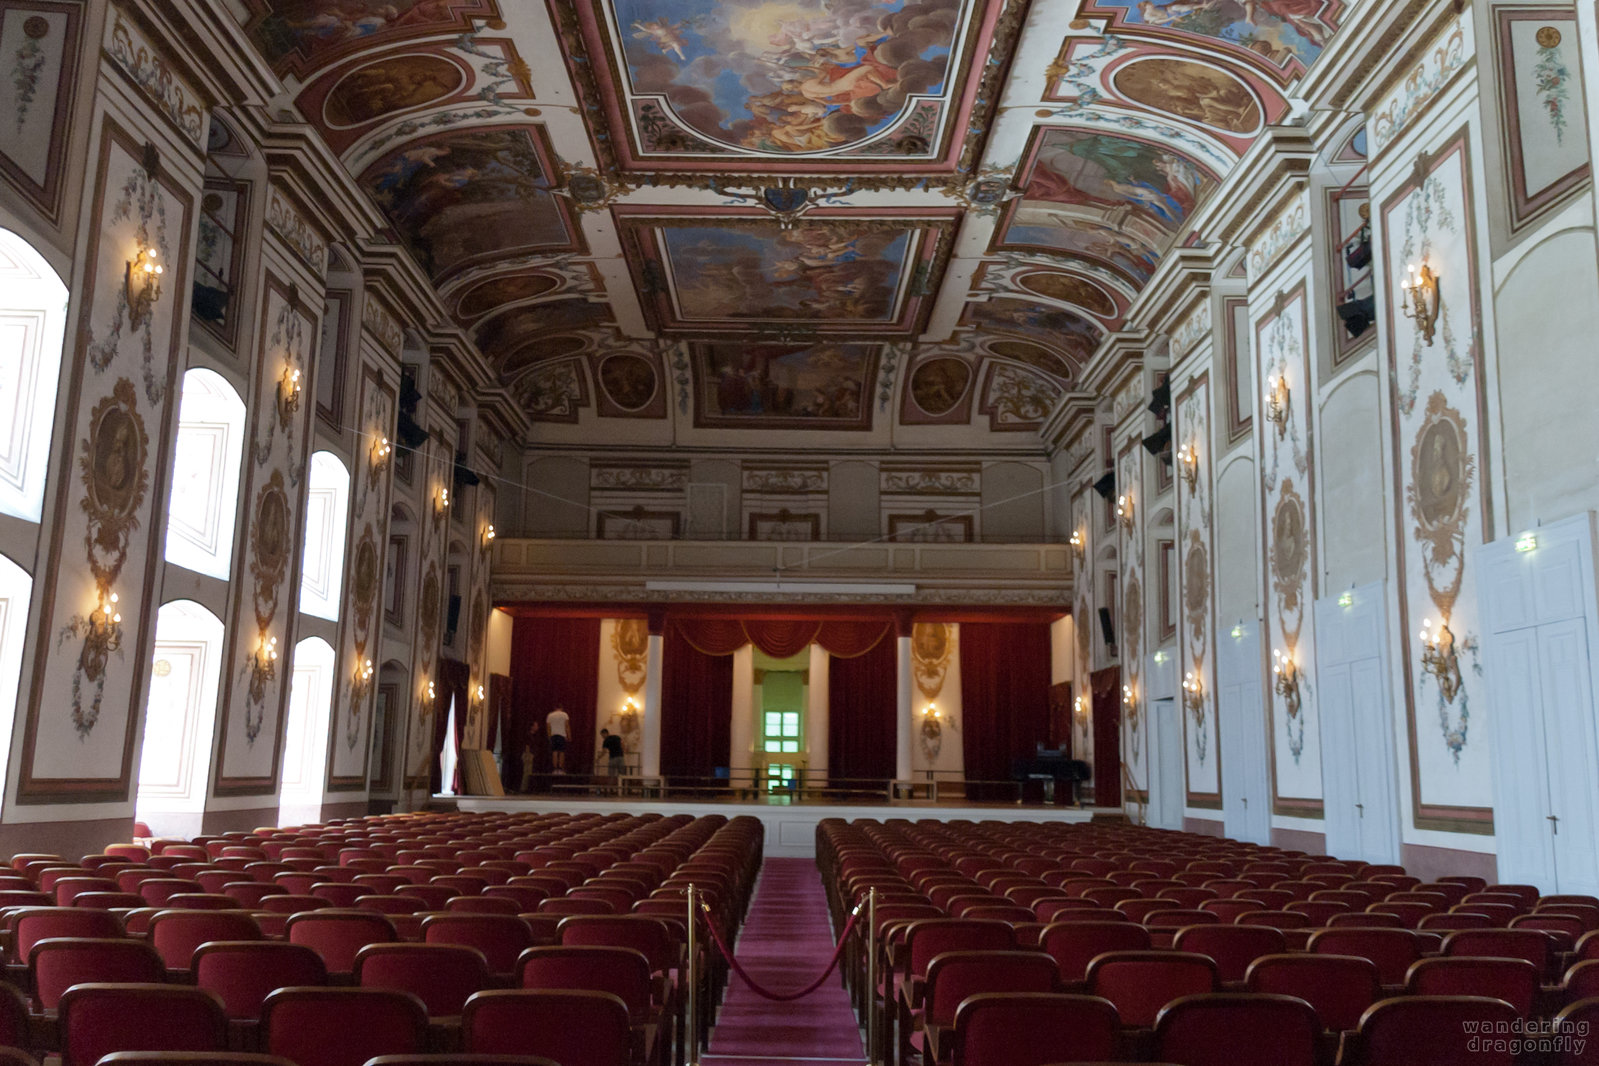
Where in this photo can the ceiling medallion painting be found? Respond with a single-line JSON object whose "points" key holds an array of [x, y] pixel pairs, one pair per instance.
{"points": [[296, 35], [824, 385], [786, 84], [1283, 36], [939, 392], [1104, 197], [472, 196], [836, 274], [1070, 289], [1049, 327]]}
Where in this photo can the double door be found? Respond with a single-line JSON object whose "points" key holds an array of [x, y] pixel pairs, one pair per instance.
{"points": [[1241, 721], [1538, 605]]}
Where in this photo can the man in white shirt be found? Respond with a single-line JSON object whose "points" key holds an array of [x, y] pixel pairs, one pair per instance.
{"points": [[556, 724]]}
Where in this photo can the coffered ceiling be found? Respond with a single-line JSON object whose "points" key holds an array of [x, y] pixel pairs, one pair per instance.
{"points": [[902, 221]]}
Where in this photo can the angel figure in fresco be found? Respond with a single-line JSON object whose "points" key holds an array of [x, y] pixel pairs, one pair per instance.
{"points": [[667, 36], [1303, 15]]}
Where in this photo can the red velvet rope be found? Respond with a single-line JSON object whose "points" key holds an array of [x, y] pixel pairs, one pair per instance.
{"points": [[783, 997]]}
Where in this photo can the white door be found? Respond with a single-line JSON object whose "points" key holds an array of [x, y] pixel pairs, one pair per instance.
{"points": [[1166, 783], [1241, 722], [1538, 597], [1357, 736]]}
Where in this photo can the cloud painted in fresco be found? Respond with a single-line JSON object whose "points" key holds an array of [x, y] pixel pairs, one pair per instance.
{"points": [[787, 76]]}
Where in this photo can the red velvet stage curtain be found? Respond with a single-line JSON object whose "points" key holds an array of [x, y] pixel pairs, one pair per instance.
{"points": [[1005, 671], [696, 707], [783, 637], [555, 662], [452, 681], [848, 639], [862, 694]]}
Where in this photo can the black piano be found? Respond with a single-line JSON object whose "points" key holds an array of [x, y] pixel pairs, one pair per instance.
{"points": [[1051, 767]]}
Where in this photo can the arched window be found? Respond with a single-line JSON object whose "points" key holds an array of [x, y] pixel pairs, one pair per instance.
{"points": [[33, 320], [305, 744], [205, 474], [16, 588], [326, 512], [180, 718]]}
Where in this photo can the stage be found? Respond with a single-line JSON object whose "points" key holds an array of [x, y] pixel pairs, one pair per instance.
{"points": [[790, 827]]}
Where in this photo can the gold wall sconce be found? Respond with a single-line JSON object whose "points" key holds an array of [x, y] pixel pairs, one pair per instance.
{"points": [[361, 684], [432, 693], [1421, 301], [1438, 658], [441, 503], [1193, 694], [1080, 712], [480, 693], [289, 390], [381, 450], [1188, 465], [1286, 683], [1278, 402], [142, 285], [1129, 697], [104, 630], [1078, 546], [263, 666], [488, 536], [1124, 511]]}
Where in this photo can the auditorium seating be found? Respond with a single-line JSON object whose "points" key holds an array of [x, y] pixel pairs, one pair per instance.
{"points": [[1203, 950], [332, 944]]}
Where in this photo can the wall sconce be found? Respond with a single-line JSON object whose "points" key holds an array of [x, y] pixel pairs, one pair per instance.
{"points": [[1188, 465], [142, 285], [289, 390], [103, 632], [362, 682], [1193, 694], [1278, 400], [1421, 301], [1124, 511], [488, 535], [932, 711], [381, 450], [480, 694], [1438, 658], [263, 666], [441, 503], [432, 692], [1129, 700], [630, 709], [1079, 547], [1286, 684], [1080, 711]]}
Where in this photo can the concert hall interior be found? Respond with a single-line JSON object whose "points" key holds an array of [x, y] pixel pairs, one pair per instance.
{"points": [[803, 447]]}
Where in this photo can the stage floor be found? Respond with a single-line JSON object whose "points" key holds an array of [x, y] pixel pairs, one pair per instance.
{"points": [[790, 827]]}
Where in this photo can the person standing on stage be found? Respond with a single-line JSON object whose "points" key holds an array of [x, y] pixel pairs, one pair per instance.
{"points": [[556, 723], [616, 761]]}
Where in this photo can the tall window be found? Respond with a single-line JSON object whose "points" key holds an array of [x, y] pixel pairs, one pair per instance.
{"points": [[327, 509], [16, 588], [205, 474], [180, 718], [305, 744], [33, 318]]}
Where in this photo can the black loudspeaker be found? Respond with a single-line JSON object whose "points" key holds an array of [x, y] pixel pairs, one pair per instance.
{"points": [[1106, 630], [1160, 398], [1159, 441], [464, 475], [452, 616], [411, 435], [1106, 486]]}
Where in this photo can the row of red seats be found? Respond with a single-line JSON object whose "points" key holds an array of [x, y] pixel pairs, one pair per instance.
{"points": [[1073, 896], [472, 976]]}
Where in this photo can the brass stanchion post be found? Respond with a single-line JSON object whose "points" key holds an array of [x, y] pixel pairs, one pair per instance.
{"points": [[871, 976], [691, 1035]]}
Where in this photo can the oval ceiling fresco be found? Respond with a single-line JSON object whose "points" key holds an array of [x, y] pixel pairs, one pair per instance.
{"points": [[1196, 91]]}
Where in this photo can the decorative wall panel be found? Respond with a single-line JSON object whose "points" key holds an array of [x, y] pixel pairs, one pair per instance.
{"points": [[1544, 112], [109, 487], [1133, 623], [1288, 534], [1196, 611], [1443, 509], [39, 47]]}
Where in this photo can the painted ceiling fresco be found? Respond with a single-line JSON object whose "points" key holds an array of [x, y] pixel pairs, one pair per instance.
{"points": [[835, 215]]}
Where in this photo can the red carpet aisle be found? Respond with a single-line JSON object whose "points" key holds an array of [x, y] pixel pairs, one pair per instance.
{"points": [[785, 943]]}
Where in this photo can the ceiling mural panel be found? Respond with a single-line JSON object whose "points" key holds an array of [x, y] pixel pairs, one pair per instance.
{"points": [[1282, 36], [298, 35], [745, 385], [471, 196], [835, 274], [743, 214], [1106, 197], [847, 85]]}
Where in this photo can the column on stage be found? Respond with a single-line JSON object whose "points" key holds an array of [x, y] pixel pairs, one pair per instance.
{"points": [[650, 740], [741, 762], [816, 719], [904, 724]]}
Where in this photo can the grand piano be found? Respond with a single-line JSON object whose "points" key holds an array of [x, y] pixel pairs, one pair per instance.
{"points": [[1050, 766]]}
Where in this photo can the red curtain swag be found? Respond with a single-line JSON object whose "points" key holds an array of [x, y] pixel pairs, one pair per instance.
{"points": [[783, 637]]}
